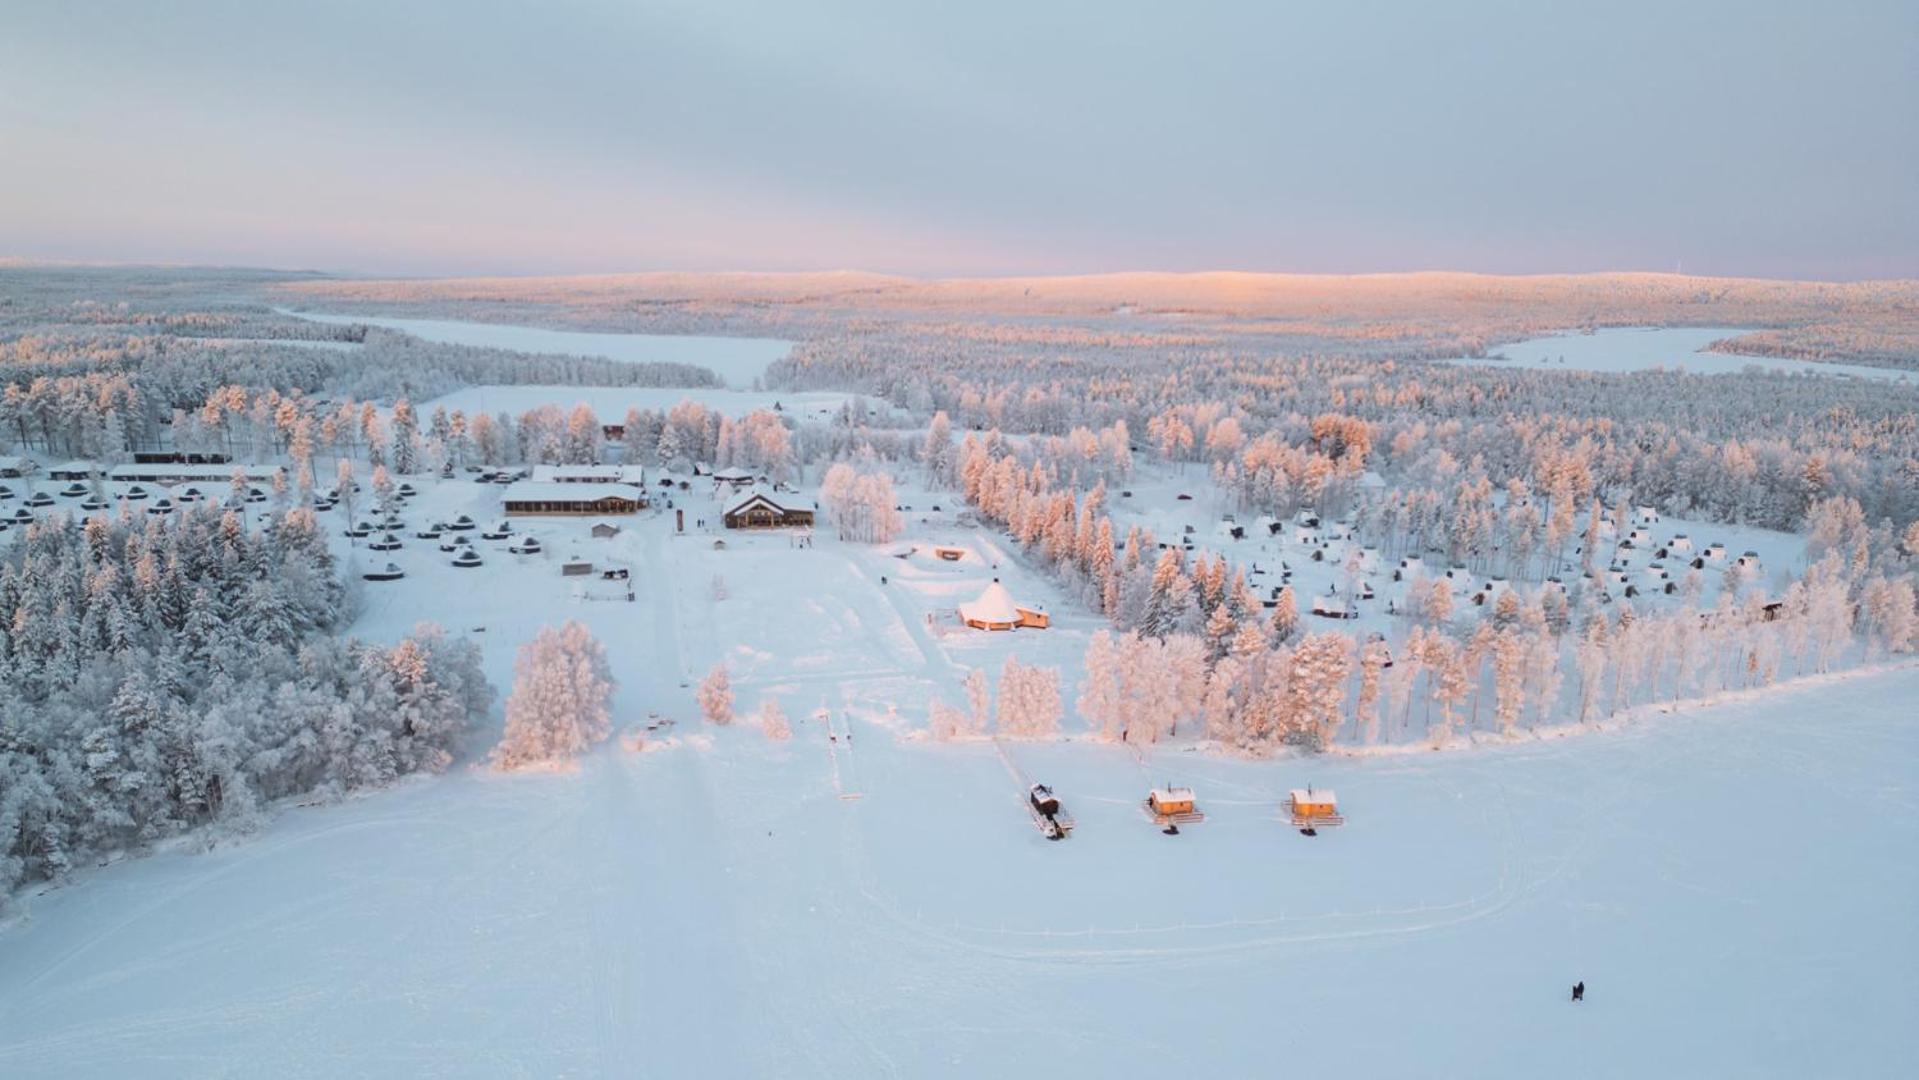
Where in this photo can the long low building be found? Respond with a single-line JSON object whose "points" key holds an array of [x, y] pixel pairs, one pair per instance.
{"points": [[175, 472], [566, 498], [632, 475]]}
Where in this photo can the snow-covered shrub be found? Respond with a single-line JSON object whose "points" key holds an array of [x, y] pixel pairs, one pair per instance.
{"points": [[716, 696], [773, 722]]}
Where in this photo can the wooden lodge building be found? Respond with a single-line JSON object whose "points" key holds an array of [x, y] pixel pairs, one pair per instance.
{"points": [[760, 510], [528, 498]]}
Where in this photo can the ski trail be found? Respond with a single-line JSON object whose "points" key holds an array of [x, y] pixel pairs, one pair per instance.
{"points": [[665, 605], [934, 658]]}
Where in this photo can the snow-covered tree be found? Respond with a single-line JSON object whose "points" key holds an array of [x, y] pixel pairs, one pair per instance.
{"points": [[562, 685]]}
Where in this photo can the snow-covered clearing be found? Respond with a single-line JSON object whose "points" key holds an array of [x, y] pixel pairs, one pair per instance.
{"points": [[1719, 878], [1676, 348], [737, 360]]}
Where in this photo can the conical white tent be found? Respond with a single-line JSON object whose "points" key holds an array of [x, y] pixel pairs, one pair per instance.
{"points": [[994, 610], [997, 610]]}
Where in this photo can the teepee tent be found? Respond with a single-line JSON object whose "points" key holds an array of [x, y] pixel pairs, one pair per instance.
{"points": [[995, 610]]}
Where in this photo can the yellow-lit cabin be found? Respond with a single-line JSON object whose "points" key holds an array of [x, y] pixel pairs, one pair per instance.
{"points": [[1309, 806], [1177, 800]]}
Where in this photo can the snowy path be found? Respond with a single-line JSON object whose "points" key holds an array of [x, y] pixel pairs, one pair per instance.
{"points": [[719, 912]]}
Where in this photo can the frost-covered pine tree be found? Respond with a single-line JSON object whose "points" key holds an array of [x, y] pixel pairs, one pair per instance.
{"points": [[1509, 678], [559, 705], [1100, 698], [936, 453], [1373, 658], [1316, 688], [1590, 655], [1284, 621]]}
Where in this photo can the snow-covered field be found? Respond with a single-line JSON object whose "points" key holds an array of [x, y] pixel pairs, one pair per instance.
{"points": [[610, 403], [1676, 348], [737, 360], [862, 901]]}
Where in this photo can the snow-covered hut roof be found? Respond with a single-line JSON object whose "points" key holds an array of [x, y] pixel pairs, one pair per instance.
{"points": [[995, 605], [1314, 796], [1172, 794]]}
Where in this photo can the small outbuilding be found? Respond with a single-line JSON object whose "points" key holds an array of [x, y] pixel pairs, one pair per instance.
{"points": [[1333, 607], [733, 478], [1312, 808], [1172, 805]]}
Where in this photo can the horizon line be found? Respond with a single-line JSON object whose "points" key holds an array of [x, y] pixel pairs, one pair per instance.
{"points": [[8, 262]]}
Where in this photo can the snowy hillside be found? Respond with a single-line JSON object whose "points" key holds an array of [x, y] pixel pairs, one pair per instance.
{"points": [[714, 909]]}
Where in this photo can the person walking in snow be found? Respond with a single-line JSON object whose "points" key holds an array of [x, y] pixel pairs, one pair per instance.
{"points": [[1579, 990]]}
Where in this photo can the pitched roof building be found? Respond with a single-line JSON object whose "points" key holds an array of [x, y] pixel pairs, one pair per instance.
{"points": [[761, 510]]}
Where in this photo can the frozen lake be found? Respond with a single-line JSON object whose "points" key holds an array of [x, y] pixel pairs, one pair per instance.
{"points": [[1644, 348], [737, 360]]}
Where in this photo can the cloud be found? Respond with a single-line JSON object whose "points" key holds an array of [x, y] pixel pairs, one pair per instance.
{"points": [[983, 138]]}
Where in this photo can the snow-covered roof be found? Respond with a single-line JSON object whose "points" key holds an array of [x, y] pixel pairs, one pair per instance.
{"points": [[733, 476], [564, 491], [600, 474], [1172, 794], [1314, 796], [995, 605]]}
